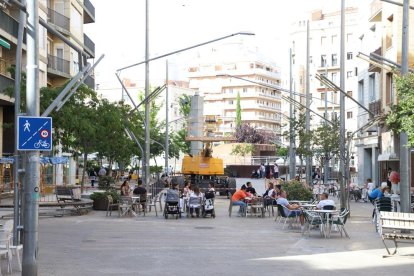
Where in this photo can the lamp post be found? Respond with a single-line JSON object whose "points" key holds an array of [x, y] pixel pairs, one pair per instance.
{"points": [[146, 158]]}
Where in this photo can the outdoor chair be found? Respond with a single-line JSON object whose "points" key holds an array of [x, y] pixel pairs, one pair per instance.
{"points": [[257, 207], [125, 206], [5, 249], [15, 249], [313, 219], [152, 201], [340, 221], [282, 215], [383, 204], [111, 205], [231, 208], [140, 204]]}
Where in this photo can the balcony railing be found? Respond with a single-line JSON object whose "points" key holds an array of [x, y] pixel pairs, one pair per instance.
{"points": [[8, 24], [375, 107], [58, 19], [89, 16], [58, 64], [89, 45]]}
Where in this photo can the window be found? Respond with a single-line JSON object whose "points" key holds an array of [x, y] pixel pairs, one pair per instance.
{"points": [[361, 92], [371, 87], [324, 75], [323, 60], [334, 59], [349, 74], [333, 77], [76, 22], [231, 102], [322, 96], [348, 37], [334, 39], [349, 115], [244, 90], [349, 93], [349, 55], [389, 89], [310, 59], [323, 40], [356, 71]]}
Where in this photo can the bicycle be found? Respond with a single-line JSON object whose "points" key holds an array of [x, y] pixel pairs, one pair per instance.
{"points": [[42, 144]]}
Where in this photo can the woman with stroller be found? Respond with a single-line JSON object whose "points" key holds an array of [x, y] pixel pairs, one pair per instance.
{"points": [[194, 202]]}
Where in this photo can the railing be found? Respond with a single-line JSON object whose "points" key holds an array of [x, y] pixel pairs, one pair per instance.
{"points": [[89, 45], [90, 10], [58, 19], [375, 107], [58, 64], [5, 81]]}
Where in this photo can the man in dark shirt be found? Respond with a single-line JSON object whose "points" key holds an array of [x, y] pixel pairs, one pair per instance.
{"points": [[250, 188], [141, 191]]}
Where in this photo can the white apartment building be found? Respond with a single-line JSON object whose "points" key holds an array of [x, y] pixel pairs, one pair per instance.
{"points": [[324, 48], [216, 74]]}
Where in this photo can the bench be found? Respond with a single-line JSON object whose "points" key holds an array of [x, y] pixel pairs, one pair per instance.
{"points": [[396, 227], [65, 197]]}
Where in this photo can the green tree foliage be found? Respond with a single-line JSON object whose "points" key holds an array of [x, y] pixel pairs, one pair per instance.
{"points": [[296, 191], [401, 117], [326, 141], [238, 111], [242, 150], [282, 151]]}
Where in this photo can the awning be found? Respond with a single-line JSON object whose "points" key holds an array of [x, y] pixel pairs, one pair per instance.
{"points": [[388, 157], [4, 43]]}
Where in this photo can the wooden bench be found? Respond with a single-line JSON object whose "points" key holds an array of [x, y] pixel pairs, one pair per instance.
{"points": [[398, 227], [65, 197]]}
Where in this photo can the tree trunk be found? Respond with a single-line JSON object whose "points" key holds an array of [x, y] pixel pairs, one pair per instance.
{"points": [[85, 159]]}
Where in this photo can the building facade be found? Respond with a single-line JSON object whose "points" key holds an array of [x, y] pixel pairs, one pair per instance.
{"points": [[221, 74], [58, 62]]}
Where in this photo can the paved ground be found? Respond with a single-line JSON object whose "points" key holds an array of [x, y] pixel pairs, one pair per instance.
{"points": [[97, 245]]}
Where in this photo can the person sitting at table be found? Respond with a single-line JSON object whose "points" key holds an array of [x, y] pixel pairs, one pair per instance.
{"points": [[378, 193], [141, 192], [125, 188], [325, 202], [238, 199], [195, 205], [250, 188], [291, 210]]}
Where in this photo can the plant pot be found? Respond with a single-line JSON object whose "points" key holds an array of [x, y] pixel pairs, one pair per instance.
{"points": [[100, 204]]}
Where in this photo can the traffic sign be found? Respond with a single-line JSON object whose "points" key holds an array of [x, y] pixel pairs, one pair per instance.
{"points": [[34, 133]]}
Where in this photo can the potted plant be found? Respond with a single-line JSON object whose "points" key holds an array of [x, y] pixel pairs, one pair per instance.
{"points": [[100, 199], [295, 190]]}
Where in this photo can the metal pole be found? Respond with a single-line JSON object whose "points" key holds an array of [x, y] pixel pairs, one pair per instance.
{"points": [[146, 169], [342, 162], [31, 190], [326, 160], [17, 79], [308, 157], [405, 151], [292, 154], [166, 117]]}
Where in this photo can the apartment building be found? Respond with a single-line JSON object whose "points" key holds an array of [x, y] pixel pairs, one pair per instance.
{"points": [[381, 34], [58, 62], [324, 59], [222, 73]]}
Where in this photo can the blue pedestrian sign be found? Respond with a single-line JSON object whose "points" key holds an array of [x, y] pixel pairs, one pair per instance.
{"points": [[34, 133]]}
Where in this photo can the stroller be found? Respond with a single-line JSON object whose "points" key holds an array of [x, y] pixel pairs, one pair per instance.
{"points": [[172, 204], [208, 208]]}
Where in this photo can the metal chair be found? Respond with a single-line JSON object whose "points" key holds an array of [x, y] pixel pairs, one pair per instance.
{"points": [[140, 204], [5, 249], [152, 201], [125, 206], [313, 219], [111, 205], [231, 205], [340, 222]]}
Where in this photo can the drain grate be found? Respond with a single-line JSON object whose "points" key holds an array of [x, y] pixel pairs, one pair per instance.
{"points": [[203, 227]]}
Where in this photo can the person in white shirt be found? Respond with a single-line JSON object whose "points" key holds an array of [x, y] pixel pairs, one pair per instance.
{"points": [[325, 201], [370, 185], [195, 201]]}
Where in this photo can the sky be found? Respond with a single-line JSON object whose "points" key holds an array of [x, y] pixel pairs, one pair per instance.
{"points": [[119, 31]]}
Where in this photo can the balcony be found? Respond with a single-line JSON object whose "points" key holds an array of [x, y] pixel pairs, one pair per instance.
{"points": [[89, 12], [90, 82], [8, 24], [58, 20], [372, 67], [58, 66], [89, 45], [375, 107], [376, 11]]}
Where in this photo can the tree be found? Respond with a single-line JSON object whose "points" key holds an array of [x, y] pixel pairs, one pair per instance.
{"points": [[242, 150], [238, 111], [401, 117], [245, 133]]}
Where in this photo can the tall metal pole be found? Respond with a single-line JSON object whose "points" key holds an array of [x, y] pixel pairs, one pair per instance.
{"points": [[326, 160], [17, 79], [146, 165], [342, 168], [292, 153], [405, 157], [31, 189], [308, 157], [167, 138]]}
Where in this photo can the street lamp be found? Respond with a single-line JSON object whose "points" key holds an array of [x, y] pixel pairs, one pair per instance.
{"points": [[146, 158]]}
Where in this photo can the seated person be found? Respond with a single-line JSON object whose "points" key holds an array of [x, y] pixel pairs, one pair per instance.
{"points": [[195, 204], [238, 199], [269, 195], [291, 210], [140, 191], [211, 186], [125, 188], [325, 201], [378, 193], [250, 188]]}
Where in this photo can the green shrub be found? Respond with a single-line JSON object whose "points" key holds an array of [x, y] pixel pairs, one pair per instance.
{"points": [[103, 195], [105, 182], [295, 190]]}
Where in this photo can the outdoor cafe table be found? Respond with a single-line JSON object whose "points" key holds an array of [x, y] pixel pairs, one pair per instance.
{"points": [[308, 206], [326, 216], [300, 202]]}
